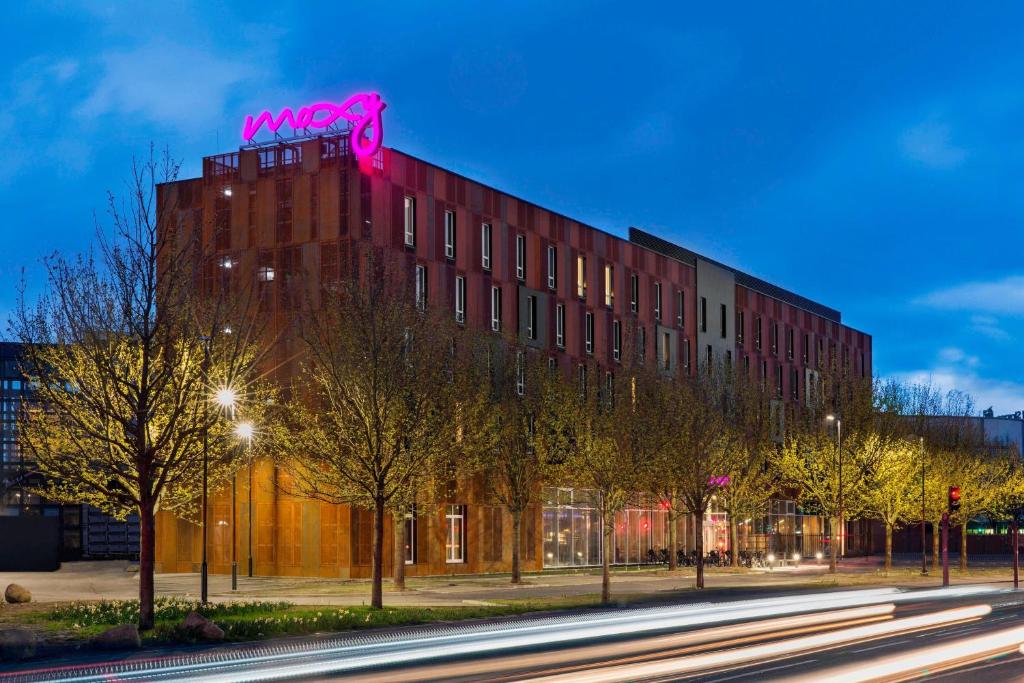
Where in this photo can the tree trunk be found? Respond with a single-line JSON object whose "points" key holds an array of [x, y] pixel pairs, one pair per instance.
{"points": [[147, 554], [377, 589], [673, 541], [517, 521], [698, 539], [734, 542], [888, 547], [936, 537], [963, 546], [606, 560], [400, 543], [833, 544]]}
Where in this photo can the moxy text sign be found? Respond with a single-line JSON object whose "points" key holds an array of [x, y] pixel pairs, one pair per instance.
{"points": [[367, 131]]}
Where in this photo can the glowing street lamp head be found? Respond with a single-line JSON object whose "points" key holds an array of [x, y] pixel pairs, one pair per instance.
{"points": [[830, 417], [244, 431], [226, 397]]}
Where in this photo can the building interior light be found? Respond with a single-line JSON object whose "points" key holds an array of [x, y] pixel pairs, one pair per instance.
{"points": [[227, 191]]}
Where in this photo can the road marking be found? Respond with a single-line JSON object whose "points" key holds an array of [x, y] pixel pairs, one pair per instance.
{"points": [[764, 670], [875, 647]]}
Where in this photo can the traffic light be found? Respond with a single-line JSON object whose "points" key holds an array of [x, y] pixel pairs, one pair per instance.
{"points": [[954, 499]]}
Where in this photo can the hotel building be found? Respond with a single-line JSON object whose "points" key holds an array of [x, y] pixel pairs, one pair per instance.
{"points": [[291, 214]]}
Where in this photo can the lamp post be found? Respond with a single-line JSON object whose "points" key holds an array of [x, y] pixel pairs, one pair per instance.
{"points": [[244, 432], [924, 551], [839, 455], [225, 399]]}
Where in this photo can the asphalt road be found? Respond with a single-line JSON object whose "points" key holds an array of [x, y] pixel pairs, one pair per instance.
{"points": [[875, 634]]}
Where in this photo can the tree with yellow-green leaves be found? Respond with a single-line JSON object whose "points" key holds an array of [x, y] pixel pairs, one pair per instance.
{"points": [[892, 493], [376, 418], [127, 358]]}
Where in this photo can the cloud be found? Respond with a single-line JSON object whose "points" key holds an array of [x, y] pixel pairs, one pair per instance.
{"points": [[929, 144], [168, 83], [952, 354], [988, 326], [1005, 296]]}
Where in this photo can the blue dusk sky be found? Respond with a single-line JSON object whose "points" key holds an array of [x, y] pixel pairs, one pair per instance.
{"points": [[866, 155]]}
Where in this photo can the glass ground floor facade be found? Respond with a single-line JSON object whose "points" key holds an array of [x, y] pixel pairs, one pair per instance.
{"points": [[573, 538]]}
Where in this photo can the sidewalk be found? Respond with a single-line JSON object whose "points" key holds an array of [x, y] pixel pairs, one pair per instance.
{"points": [[115, 580]]}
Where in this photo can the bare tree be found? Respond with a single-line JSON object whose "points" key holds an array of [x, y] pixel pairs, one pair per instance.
{"points": [[127, 354], [375, 412]]}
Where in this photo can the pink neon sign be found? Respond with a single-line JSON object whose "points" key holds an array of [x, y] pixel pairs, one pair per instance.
{"points": [[323, 114]]}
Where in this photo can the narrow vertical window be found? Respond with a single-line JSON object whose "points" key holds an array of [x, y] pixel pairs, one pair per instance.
{"points": [[703, 314], [778, 380], [634, 292], [686, 355], [560, 326], [590, 332], [666, 351], [775, 337], [757, 333], [531, 317], [552, 268], [722, 316], [617, 340], [711, 356], [641, 343], [582, 378], [460, 299], [496, 309], [485, 246], [449, 234], [789, 343], [609, 285], [421, 287], [410, 536], [410, 221], [520, 374], [455, 544], [740, 316], [807, 348], [581, 276], [657, 301], [680, 308], [521, 257]]}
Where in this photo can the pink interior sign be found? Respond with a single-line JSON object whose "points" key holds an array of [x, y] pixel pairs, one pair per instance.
{"points": [[367, 130]]}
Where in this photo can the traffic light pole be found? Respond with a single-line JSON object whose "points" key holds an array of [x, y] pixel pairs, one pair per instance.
{"points": [[945, 549], [1016, 553]]}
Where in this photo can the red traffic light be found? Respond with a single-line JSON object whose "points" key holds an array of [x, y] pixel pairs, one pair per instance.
{"points": [[954, 493]]}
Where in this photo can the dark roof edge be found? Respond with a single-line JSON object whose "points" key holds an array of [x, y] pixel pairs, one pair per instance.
{"points": [[684, 255]]}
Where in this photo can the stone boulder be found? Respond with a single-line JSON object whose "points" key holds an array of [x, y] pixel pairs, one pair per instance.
{"points": [[17, 643], [124, 637], [199, 627], [16, 594]]}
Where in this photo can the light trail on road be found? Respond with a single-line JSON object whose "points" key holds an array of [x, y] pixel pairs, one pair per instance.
{"points": [[768, 651]]}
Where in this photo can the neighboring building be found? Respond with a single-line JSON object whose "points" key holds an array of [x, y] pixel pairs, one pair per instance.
{"points": [[79, 531], [270, 212], [1005, 431]]}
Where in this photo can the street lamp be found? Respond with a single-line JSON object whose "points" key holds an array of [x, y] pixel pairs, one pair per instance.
{"points": [[842, 522], [225, 398], [244, 431]]}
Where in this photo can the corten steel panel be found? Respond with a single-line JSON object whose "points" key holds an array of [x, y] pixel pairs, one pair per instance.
{"points": [[318, 543]]}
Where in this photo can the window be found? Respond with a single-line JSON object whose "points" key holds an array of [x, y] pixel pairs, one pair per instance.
{"points": [[520, 374], [609, 285], [757, 333], [521, 257], [460, 299], [775, 337], [740, 322], [746, 365], [560, 326], [778, 380], [666, 351], [410, 221], [686, 355], [764, 372], [789, 343], [492, 537], [680, 308], [657, 301], [722, 320], [703, 314], [590, 332], [485, 246], [552, 363], [531, 317], [410, 536], [711, 356], [807, 348], [455, 544], [552, 268], [496, 309], [794, 384], [581, 276], [641, 343], [449, 234], [634, 292], [421, 287], [265, 274], [728, 358], [617, 340], [581, 378], [609, 388]]}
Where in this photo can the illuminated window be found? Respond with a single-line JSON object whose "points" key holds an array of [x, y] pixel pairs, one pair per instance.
{"points": [[666, 351], [265, 274], [449, 234], [455, 544], [609, 285], [581, 276], [590, 332], [410, 221], [485, 246], [521, 257]]}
